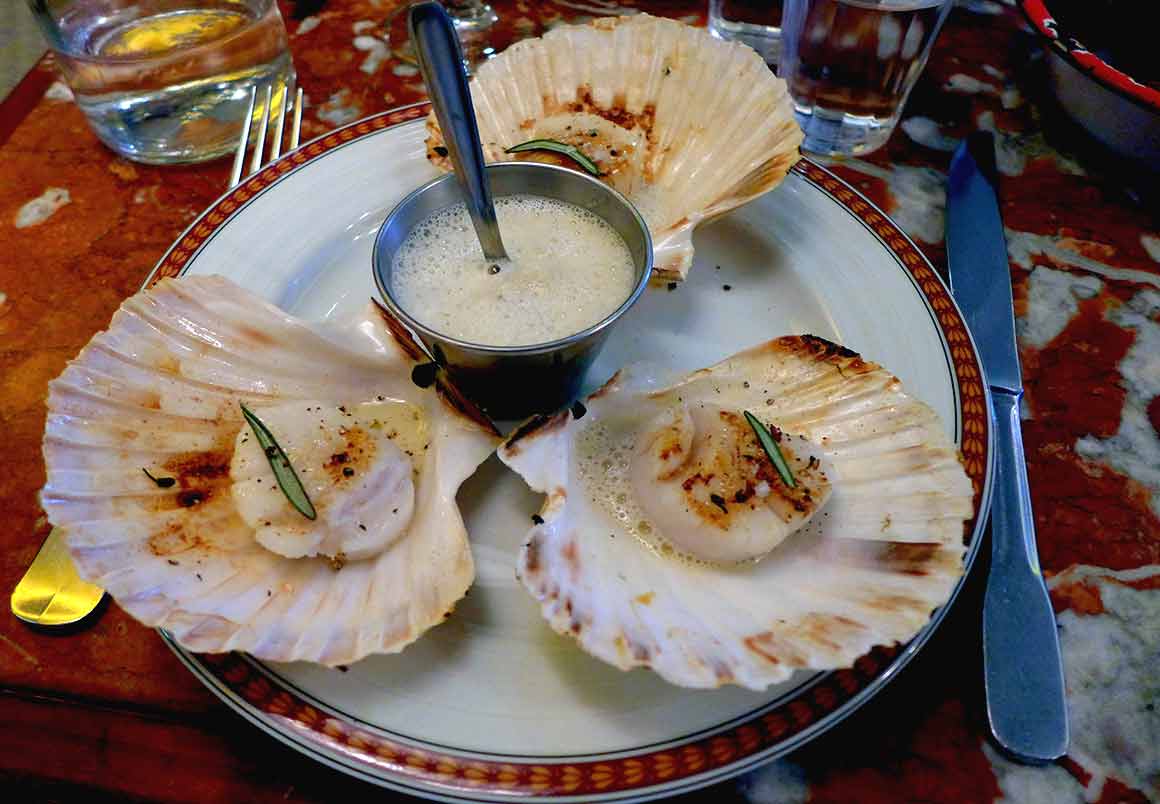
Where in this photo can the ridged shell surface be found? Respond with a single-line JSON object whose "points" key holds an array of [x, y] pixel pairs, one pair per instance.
{"points": [[685, 125], [885, 550], [160, 389]]}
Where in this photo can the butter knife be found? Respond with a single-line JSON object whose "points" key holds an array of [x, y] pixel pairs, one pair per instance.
{"points": [[1023, 670]]}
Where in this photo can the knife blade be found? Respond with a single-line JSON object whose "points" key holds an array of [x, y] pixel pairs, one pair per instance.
{"points": [[1022, 666]]}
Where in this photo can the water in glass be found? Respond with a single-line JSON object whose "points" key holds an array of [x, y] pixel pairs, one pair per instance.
{"points": [[754, 22], [850, 65], [165, 81], [471, 15]]}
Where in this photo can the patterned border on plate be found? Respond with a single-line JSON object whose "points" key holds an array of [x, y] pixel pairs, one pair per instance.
{"points": [[460, 775], [449, 775], [973, 400], [174, 261]]}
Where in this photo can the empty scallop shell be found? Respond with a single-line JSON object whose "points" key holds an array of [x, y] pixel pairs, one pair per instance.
{"points": [[160, 390], [687, 126], [869, 568]]}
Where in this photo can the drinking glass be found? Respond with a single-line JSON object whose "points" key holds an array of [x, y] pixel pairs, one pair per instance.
{"points": [[474, 21], [756, 23], [470, 15], [850, 65], [167, 81]]}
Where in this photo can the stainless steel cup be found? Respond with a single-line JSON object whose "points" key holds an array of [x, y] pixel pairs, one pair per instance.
{"points": [[511, 382]]}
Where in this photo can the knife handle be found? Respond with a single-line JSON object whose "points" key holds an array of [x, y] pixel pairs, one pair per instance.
{"points": [[1023, 670]]}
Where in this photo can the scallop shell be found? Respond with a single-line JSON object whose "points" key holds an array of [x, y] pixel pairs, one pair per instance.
{"points": [[161, 387], [868, 570], [686, 125]]}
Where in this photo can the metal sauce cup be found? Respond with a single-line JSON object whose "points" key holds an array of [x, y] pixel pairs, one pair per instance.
{"points": [[510, 382]]}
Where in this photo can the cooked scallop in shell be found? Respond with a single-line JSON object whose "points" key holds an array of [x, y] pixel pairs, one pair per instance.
{"points": [[323, 528], [356, 465], [789, 508], [686, 125], [702, 477]]}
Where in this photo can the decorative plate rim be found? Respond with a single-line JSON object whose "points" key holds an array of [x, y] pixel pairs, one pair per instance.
{"points": [[1085, 60], [723, 752]]}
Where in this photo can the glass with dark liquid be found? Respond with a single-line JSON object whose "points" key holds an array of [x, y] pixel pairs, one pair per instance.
{"points": [[850, 65]]}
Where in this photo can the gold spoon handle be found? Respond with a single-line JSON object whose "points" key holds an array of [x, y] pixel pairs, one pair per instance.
{"points": [[51, 593]]}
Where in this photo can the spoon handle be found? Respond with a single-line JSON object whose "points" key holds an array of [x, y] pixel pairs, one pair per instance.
{"points": [[441, 62]]}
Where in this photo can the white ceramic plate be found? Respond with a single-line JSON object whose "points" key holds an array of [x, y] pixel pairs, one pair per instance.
{"points": [[492, 704]]}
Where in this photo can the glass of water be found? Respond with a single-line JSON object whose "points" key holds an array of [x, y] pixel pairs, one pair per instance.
{"points": [[167, 81], [757, 23], [850, 65], [474, 20], [471, 15]]}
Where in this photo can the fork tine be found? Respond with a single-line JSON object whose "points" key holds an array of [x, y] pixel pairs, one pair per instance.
{"points": [[260, 145], [276, 145], [243, 141], [296, 130]]}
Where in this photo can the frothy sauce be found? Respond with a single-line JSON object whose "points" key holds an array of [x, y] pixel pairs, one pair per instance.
{"points": [[569, 269], [603, 459]]}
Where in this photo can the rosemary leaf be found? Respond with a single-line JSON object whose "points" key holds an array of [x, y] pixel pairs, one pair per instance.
{"points": [[555, 146], [283, 472], [771, 449]]}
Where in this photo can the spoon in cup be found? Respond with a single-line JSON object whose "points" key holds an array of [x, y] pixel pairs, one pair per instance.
{"points": [[441, 62]]}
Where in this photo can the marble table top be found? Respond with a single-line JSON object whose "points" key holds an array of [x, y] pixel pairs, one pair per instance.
{"points": [[109, 709]]}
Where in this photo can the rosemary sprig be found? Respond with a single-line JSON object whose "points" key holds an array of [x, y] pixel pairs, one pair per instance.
{"points": [[771, 449], [283, 472], [555, 146]]}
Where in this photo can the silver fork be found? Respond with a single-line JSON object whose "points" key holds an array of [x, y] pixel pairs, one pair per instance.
{"points": [[278, 121]]}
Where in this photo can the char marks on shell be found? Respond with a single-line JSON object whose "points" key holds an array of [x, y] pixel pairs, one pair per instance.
{"points": [[160, 390], [841, 584], [642, 97]]}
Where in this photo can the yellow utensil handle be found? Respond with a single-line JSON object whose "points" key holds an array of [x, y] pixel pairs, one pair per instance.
{"points": [[51, 593]]}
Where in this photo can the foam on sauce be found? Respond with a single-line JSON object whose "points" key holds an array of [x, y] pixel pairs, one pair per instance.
{"points": [[569, 270], [603, 455]]}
